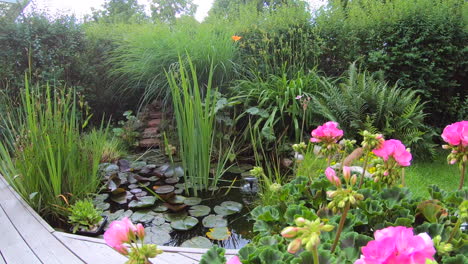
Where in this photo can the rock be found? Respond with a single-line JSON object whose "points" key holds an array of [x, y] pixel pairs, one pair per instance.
{"points": [[149, 143], [154, 122]]}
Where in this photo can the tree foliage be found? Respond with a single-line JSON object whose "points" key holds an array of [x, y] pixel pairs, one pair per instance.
{"points": [[168, 10]]}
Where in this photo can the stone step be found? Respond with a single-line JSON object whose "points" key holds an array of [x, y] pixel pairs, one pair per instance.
{"points": [[154, 122], [150, 132], [155, 115], [149, 142]]}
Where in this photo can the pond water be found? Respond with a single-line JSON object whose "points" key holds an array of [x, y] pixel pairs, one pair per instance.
{"points": [[156, 222]]}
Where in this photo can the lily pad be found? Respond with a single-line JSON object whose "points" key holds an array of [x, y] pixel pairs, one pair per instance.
{"points": [[143, 202], [121, 198], [192, 201], [103, 206], [160, 209], [165, 189], [199, 210], [235, 170], [141, 194], [178, 171], [197, 242], [117, 215], [136, 190], [177, 199], [112, 168], [101, 197], [219, 233], [137, 165], [228, 208], [185, 223], [158, 220], [165, 227], [143, 216], [170, 217], [212, 221], [171, 180], [178, 191], [157, 236]]}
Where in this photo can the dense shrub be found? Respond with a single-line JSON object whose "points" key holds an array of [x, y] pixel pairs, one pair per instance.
{"points": [[420, 43], [362, 101], [46, 49]]}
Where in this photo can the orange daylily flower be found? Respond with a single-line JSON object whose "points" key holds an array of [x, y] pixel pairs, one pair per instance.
{"points": [[236, 38]]}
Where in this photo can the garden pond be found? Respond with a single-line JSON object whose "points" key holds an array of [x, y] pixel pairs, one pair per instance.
{"points": [[151, 191]]}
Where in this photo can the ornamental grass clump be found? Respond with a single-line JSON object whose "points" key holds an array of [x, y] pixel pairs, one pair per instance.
{"points": [[456, 135], [49, 162]]}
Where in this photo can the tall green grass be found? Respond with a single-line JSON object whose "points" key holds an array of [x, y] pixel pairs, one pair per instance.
{"points": [[146, 52], [47, 160], [194, 111]]}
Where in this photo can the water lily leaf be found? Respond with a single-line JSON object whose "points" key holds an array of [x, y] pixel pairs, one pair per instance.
{"points": [[177, 199], [219, 233], [99, 198], [113, 183], [235, 170], [192, 201], [137, 165], [185, 223], [143, 202], [212, 221], [118, 190], [178, 191], [197, 242], [158, 220], [143, 216], [121, 198], [199, 210], [165, 227], [165, 189], [228, 208], [178, 171], [112, 168], [171, 180], [170, 217], [160, 209], [157, 236], [102, 206]]}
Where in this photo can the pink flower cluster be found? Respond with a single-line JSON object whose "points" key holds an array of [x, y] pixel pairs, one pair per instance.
{"points": [[394, 245], [328, 132], [121, 232], [395, 149], [456, 134]]}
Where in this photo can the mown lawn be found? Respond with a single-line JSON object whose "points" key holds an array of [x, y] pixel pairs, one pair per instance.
{"points": [[422, 174]]}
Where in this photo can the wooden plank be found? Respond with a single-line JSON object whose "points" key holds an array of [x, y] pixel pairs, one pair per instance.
{"points": [[173, 258], [196, 257], [26, 205], [45, 246], [2, 260], [14, 248], [91, 252]]}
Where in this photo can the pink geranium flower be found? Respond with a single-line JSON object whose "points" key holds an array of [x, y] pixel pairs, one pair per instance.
{"points": [[331, 176], [119, 233], [397, 245], [234, 260], [456, 134], [328, 132], [395, 149]]}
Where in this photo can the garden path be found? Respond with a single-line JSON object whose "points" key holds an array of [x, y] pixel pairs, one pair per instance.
{"points": [[26, 238]]}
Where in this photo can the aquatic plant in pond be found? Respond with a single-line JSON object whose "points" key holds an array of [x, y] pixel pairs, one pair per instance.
{"points": [[194, 110], [50, 163]]}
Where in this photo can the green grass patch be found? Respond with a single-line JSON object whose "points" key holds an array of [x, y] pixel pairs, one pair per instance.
{"points": [[422, 174]]}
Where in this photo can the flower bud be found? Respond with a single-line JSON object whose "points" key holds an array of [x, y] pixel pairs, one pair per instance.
{"points": [[352, 200], [289, 232], [445, 146], [354, 179], [346, 173], [465, 158], [386, 173], [140, 231], [327, 228], [294, 246], [453, 161], [300, 221], [341, 204]]}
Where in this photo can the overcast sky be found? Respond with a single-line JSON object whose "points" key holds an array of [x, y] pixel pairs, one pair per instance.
{"points": [[82, 7]]}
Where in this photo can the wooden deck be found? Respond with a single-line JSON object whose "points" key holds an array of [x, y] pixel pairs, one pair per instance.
{"points": [[26, 238]]}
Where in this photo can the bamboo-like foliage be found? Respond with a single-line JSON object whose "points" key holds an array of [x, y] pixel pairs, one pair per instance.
{"points": [[49, 163], [194, 113]]}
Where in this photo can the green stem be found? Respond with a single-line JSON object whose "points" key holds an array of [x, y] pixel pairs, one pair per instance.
{"points": [[403, 177], [340, 227], [302, 127], [315, 254], [328, 161], [462, 174], [361, 181], [454, 230]]}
